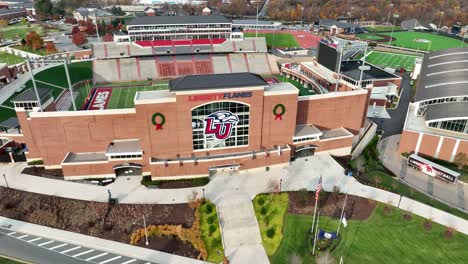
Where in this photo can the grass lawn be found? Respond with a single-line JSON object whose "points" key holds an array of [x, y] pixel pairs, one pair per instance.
{"points": [[296, 240], [6, 113], [392, 60], [277, 40], [387, 237], [370, 37], [9, 261], [20, 30], [10, 59], [270, 210], [211, 238], [302, 90], [382, 28]]}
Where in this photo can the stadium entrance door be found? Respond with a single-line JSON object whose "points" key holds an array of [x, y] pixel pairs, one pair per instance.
{"points": [[304, 151], [128, 169]]}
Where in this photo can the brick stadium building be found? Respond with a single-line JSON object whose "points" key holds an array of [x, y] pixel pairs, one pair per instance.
{"points": [[437, 120], [200, 125]]}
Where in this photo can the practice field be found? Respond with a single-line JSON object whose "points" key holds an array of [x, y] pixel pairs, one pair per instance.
{"points": [[20, 30], [391, 60], [10, 59], [277, 39], [382, 28], [416, 40]]}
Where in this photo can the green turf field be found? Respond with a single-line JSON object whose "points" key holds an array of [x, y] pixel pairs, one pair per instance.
{"points": [[124, 97], [10, 59], [392, 60], [277, 39], [20, 30], [6, 113], [383, 238], [382, 28], [418, 40]]}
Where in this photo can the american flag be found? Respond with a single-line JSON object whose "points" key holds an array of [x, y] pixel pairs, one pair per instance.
{"points": [[318, 188]]}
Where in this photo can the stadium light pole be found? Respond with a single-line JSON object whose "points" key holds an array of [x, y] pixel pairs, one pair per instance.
{"points": [[388, 17], [256, 19], [34, 85], [338, 73], [65, 65], [395, 16], [440, 22], [302, 16], [97, 29], [363, 68]]}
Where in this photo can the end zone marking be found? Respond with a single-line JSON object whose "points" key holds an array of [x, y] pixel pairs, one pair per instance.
{"points": [[100, 99]]}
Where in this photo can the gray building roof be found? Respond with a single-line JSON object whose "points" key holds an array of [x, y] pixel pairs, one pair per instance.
{"points": [[252, 22], [351, 70], [124, 146], [99, 12], [443, 74], [11, 11], [163, 20], [29, 95], [11, 122], [215, 81], [447, 111], [333, 22]]}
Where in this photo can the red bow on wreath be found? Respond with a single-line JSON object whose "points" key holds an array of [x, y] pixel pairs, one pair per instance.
{"points": [[158, 126], [279, 116]]}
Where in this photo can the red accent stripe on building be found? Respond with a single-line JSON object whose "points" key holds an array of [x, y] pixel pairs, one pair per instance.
{"points": [[156, 62], [229, 62], [176, 66], [128, 50], [105, 50], [247, 62], [194, 66], [118, 68], [137, 60], [268, 62], [255, 47], [234, 45]]}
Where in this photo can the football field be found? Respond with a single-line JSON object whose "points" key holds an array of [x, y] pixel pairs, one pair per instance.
{"points": [[391, 60]]}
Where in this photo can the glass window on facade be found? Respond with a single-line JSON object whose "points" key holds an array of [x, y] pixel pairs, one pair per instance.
{"points": [[459, 126], [239, 134]]}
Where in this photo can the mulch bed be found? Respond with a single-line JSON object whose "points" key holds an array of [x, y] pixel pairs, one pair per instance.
{"points": [[42, 172], [176, 245], [177, 184], [427, 225], [330, 205], [113, 222]]}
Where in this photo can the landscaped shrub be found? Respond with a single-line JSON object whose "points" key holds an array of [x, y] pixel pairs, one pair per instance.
{"points": [[209, 209], [261, 201], [212, 229], [270, 232], [211, 219], [263, 211]]}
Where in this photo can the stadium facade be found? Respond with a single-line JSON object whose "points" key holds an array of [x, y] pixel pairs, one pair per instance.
{"points": [[437, 120], [201, 125]]}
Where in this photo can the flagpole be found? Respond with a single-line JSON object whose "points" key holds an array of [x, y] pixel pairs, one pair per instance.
{"points": [[316, 233], [315, 211], [341, 217], [317, 191]]}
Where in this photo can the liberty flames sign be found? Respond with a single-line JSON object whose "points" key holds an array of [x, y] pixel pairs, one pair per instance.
{"points": [[219, 96], [220, 124]]}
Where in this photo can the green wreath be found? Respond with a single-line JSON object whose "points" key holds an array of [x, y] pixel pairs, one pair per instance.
{"points": [[156, 124], [275, 111]]}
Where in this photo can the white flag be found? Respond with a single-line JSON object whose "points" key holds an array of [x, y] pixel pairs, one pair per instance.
{"points": [[344, 221]]}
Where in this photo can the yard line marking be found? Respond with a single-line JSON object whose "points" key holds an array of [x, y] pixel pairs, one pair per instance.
{"points": [[109, 260], [129, 261], [82, 253], [12, 233], [45, 243], [68, 250], [59, 246], [97, 256], [23, 236], [34, 239]]}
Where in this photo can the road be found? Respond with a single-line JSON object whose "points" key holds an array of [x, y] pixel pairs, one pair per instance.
{"points": [[42, 250], [394, 125]]}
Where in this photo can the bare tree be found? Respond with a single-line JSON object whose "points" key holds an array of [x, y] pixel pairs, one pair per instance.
{"points": [[359, 164], [461, 159]]}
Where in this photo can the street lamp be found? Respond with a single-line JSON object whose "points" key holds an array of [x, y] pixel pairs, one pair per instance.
{"points": [[6, 182], [363, 68], [388, 17], [146, 232], [440, 22], [395, 16], [302, 15]]}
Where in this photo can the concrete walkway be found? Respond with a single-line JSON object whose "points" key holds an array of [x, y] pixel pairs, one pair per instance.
{"points": [[453, 194], [229, 191]]}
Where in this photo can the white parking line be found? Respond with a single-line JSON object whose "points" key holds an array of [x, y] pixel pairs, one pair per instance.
{"points": [[59, 246], [130, 261], [71, 249], [109, 260], [45, 243], [34, 239], [12, 233], [82, 253], [97, 256], [23, 236]]}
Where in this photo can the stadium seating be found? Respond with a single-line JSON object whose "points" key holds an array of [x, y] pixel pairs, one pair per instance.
{"points": [[129, 69], [64, 102], [258, 63], [105, 71], [221, 64], [239, 63], [148, 68]]}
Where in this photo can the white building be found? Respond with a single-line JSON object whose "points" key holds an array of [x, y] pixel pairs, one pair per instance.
{"points": [[252, 24]]}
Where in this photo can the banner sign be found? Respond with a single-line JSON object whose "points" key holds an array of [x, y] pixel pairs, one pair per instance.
{"points": [[219, 96], [100, 99], [430, 170], [220, 124]]}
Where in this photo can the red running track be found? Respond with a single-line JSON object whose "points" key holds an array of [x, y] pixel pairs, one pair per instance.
{"points": [[305, 39]]}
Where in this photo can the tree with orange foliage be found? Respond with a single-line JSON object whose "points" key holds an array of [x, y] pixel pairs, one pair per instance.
{"points": [[108, 38], [50, 48], [79, 38], [34, 41]]}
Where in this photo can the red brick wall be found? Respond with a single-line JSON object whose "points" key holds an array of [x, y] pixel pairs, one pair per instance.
{"points": [[408, 141], [334, 112], [428, 145], [447, 148]]}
